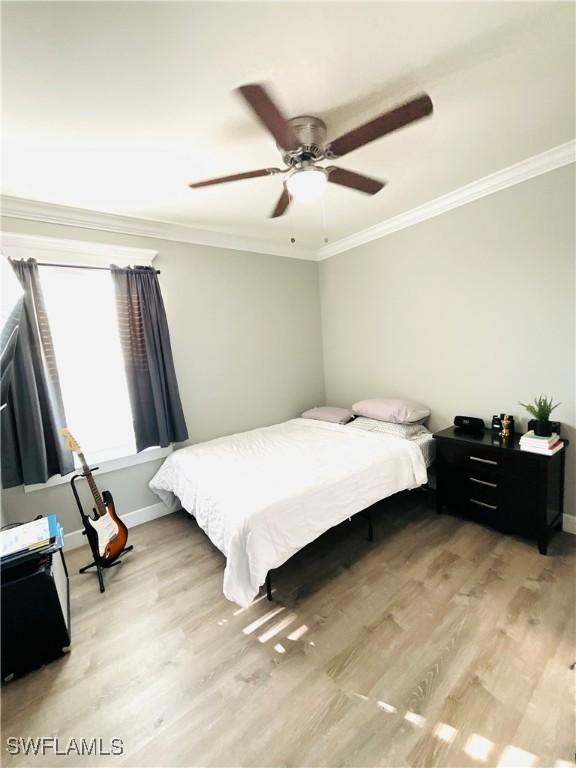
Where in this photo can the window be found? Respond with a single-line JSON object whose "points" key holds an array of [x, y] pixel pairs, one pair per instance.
{"points": [[81, 309]]}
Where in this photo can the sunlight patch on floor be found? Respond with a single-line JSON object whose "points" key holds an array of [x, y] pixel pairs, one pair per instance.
{"points": [[277, 628], [279, 648], [262, 620], [445, 732], [478, 747], [513, 757], [298, 632], [415, 719], [247, 608]]}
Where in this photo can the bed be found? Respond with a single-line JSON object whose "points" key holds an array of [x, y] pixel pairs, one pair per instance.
{"points": [[262, 495]]}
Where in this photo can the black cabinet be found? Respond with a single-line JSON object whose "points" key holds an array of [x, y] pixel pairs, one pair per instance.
{"points": [[35, 605], [484, 479]]}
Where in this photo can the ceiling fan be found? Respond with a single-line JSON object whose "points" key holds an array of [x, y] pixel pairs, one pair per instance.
{"points": [[302, 143]]}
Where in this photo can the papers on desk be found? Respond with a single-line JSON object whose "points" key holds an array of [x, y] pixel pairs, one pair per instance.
{"points": [[36, 535]]}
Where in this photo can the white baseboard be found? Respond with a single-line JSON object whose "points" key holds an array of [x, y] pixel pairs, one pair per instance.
{"points": [[569, 524], [75, 539]]}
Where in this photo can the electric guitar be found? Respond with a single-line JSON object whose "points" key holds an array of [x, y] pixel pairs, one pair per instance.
{"points": [[106, 532]]}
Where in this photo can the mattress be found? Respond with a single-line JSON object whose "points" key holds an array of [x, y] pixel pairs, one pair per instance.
{"points": [[427, 445], [262, 495]]}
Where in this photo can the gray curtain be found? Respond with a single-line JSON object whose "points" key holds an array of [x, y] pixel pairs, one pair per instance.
{"points": [[154, 396], [32, 447]]}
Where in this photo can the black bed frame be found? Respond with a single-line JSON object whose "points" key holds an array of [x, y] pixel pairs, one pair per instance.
{"points": [[365, 514]]}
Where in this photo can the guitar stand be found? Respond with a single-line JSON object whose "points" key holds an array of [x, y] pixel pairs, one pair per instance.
{"points": [[97, 563]]}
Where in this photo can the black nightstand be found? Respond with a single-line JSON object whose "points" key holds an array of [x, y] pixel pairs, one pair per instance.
{"points": [[496, 483]]}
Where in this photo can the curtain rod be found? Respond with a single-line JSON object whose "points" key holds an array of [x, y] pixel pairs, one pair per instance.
{"points": [[76, 266]]}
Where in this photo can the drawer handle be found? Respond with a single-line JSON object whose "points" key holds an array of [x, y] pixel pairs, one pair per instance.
{"points": [[484, 482], [484, 461], [483, 504]]}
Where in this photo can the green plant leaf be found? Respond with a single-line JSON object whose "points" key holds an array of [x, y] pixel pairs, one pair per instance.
{"points": [[541, 408]]}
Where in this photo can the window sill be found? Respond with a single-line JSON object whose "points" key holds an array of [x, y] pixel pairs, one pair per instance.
{"points": [[112, 465]]}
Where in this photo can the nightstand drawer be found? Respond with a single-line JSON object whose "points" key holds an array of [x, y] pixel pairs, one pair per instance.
{"points": [[485, 512], [470, 461], [483, 458], [483, 464], [483, 473], [482, 489], [481, 503]]}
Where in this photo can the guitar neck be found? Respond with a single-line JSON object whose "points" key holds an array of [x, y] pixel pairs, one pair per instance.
{"points": [[100, 506]]}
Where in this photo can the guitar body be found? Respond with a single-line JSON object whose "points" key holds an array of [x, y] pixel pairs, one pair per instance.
{"points": [[107, 533]]}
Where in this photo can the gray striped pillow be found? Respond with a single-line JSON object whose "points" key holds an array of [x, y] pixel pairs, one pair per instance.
{"points": [[406, 431]]}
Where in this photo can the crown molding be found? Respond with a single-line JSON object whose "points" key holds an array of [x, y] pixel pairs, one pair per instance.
{"points": [[550, 160], [33, 210], [52, 213]]}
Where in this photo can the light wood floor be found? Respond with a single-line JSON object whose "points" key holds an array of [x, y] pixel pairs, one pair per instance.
{"points": [[441, 644]]}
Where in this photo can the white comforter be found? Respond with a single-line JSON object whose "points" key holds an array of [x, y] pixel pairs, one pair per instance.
{"points": [[263, 495]]}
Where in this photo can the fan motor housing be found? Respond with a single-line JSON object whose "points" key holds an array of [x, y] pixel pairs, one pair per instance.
{"points": [[311, 133]]}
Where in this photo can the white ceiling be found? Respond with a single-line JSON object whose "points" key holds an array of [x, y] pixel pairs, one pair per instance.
{"points": [[116, 106]]}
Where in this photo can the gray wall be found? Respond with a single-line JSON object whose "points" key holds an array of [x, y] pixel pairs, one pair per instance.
{"points": [[468, 312], [246, 338]]}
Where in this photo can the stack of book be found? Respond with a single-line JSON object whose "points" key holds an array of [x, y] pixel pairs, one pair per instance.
{"points": [[547, 446], [44, 535]]}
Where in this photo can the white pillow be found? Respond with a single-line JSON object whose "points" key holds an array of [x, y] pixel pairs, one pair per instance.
{"points": [[393, 411], [405, 431], [329, 413]]}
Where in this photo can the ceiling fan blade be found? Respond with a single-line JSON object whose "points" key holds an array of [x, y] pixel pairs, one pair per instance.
{"points": [[354, 180], [269, 115], [397, 118], [281, 205], [235, 177]]}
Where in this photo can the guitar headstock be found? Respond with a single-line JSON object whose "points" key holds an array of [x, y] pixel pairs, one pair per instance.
{"points": [[71, 442]]}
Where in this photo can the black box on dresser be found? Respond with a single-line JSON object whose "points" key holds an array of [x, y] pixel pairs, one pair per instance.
{"points": [[480, 477]]}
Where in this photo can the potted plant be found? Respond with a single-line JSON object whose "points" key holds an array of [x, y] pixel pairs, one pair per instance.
{"points": [[541, 409]]}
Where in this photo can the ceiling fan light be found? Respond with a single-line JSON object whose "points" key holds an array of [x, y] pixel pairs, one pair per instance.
{"points": [[307, 184]]}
